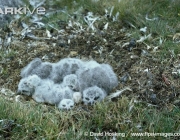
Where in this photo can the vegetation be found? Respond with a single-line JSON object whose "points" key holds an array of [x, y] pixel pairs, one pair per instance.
{"points": [[37, 121], [29, 120]]}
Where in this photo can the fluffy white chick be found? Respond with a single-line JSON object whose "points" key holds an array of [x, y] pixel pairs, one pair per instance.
{"points": [[71, 81], [101, 75], [37, 67], [111, 74], [65, 67], [66, 104], [51, 93], [27, 70], [28, 84], [92, 95]]}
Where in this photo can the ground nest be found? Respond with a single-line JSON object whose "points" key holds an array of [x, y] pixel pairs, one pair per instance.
{"points": [[150, 78]]}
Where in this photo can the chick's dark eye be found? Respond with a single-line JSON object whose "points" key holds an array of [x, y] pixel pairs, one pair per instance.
{"points": [[64, 105], [87, 99], [71, 86], [24, 91], [96, 98]]}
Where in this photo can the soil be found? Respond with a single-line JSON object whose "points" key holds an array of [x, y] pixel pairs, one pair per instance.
{"points": [[153, 80]]}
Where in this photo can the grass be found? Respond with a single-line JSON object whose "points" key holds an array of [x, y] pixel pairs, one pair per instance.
{"points": [[37, 121], [130, 13]]}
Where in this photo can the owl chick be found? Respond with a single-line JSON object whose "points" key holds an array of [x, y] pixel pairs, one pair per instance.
{"points": [[101, 75], [66, 104], [44, 93], [71, 81], [33, 81], [28, 84], [65, 67], [43, 71], [93, 77], [37, 67], [92, 95], [90, 64], [24, 88], [111, 74], [27, 70], [64, 92], [51, 93]]}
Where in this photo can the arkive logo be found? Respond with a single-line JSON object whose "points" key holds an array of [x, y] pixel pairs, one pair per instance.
{"points": [[22, 10]]}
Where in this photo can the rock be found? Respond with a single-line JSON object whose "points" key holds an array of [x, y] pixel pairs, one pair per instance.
{"points": [[154, 99], [73, 53]]}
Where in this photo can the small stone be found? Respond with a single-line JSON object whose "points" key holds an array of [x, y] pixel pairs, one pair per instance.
{"points": [[154, 99], [134, 56], [73, 53], [96, 52], [132, 44]]}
